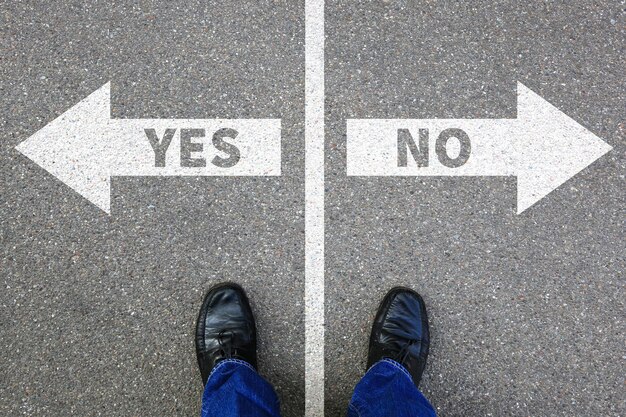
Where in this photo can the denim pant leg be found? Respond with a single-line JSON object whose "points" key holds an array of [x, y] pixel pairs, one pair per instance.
{"points": [[387, 390], [235, 389]]}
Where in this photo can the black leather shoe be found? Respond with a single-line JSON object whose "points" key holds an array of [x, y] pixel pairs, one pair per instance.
{"points": [[400, 332], [225, 328]]}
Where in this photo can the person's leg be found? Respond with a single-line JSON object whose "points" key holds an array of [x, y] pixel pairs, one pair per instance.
{"points": [[226, 351], [397, 356], [235, 389], [388, 390]]}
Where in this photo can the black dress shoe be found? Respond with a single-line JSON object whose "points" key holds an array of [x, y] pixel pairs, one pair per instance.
{"points": [[400, 332], [225, 328]]}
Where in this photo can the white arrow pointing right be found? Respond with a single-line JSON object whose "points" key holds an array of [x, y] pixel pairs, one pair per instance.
{"points": [[542, 147]]}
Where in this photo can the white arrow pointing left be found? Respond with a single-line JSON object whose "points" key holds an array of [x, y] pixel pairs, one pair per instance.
{"points": [[84, 147]]}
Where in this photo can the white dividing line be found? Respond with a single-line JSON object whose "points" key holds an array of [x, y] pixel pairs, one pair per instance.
{"points": [[314, 207]]}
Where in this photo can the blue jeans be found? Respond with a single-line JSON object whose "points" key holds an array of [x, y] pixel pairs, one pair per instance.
{"points": [[235, 389]]}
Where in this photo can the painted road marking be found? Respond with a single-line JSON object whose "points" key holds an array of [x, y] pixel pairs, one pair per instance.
{"points": [[542, 147], [84, 147], [314, 208]]}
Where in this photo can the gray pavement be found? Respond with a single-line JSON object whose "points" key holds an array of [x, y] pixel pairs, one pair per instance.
{"points": [[527, 311], [97, 313]]}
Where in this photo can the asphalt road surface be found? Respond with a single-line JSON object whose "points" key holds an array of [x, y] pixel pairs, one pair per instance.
{"points": [[527, 311], [97, 312]]}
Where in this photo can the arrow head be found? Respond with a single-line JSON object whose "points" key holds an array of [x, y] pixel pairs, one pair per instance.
{"points": [[552, 148], [73, 148]]}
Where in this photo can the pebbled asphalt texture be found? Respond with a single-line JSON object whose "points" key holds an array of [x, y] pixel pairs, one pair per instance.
{"points": [[97, 312], [527, 311]]}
